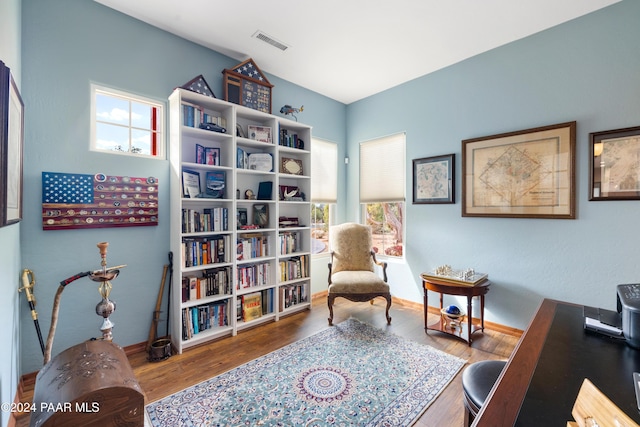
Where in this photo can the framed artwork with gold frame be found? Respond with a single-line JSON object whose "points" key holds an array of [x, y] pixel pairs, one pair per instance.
{"points": [[523, 174], [291, 166]]}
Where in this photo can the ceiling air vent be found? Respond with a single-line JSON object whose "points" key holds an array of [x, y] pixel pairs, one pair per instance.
{"points": [[268, 39]]}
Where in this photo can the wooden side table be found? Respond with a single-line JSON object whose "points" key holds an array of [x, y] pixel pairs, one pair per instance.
{"points": [[469, 291]]}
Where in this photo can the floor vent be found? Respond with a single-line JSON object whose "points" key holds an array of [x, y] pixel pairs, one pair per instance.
{"points": [[268, 39]]}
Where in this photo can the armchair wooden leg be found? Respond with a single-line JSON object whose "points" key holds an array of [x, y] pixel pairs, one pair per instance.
{"points": [[388, 298], [330, 299]]}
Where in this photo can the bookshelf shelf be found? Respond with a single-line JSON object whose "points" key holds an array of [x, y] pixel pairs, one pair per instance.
{"points": [[206, 237]]}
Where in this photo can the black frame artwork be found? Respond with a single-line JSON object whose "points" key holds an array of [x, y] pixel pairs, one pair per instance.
{"points": [[11, 148], [434, 180]]}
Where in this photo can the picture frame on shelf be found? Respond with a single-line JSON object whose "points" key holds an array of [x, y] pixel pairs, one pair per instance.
{"points": [[200, 154], [241, 217], [240, 131], [434, 180], [11, 148], [613, 171], [260, 133], [291, 166], [190, 183], [212, 156], [215, 184], [261, 215], [262, 162], [524, 174]]}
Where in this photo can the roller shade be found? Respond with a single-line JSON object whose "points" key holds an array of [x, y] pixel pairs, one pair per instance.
{"points": [[324, 171], [382, 169]]}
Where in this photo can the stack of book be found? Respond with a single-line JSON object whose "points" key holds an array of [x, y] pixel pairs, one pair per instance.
{"points": [[290, 139], [203, 317], [210, 219], [294, 268], [194, 115]]}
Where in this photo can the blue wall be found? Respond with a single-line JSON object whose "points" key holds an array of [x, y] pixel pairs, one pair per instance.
{"points": [[66, 45], [585, 70]]}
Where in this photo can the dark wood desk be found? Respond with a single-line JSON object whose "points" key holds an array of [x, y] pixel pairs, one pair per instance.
{"points": [[542, 378], [444, 287]]}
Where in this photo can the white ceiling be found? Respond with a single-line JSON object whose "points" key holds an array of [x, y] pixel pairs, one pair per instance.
{"points": [[350, 49]]}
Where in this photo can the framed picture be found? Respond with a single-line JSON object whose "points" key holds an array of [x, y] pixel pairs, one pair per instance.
{"points": [[260, 162], [614, 172], [260, 133], [291, 166], [261, 215], [11, 147], [190, 183], [240, 131], [241, 217], [434, 179], [523, 174], [247, 85], [200, 154], [212, 156]]}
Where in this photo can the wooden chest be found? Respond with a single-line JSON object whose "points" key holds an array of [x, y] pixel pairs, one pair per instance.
{"points": [[90, 384]]}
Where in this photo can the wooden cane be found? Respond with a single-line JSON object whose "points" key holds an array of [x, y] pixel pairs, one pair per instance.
{"points": [[156, 314]]}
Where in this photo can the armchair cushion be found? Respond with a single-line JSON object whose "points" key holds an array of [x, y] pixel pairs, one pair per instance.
{"points": [[357, 282], [351, 244]]}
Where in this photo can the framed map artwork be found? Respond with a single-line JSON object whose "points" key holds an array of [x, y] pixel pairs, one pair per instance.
{"points": [[523, 174], [434, 179], [615, 171]]}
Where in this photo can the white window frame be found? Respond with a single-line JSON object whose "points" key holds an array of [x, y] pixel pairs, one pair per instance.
{"points": [[160, 125]]}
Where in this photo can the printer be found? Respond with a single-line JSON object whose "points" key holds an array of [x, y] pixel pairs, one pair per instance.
{"points": [[628, 302]]}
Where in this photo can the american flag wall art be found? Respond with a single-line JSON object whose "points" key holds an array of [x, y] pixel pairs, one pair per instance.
{"points": [[72, 200]]}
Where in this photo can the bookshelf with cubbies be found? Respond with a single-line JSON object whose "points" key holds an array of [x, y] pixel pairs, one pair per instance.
{"points": [[240, 218]]}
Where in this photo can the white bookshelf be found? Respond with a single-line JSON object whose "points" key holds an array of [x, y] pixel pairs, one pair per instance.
{"points": [[272, 254]]}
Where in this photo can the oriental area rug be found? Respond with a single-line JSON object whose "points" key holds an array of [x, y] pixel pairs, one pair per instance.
{"points": [[351, 374]]}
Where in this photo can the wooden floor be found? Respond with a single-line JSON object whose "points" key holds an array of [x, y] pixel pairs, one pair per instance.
{"points": [[197, 364]]}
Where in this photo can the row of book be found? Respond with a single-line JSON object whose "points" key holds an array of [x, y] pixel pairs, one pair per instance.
{"points": [[193, 115], [210, 219], [252, 246], [291, 295], [253, 275], [289, 242], [214, 281], [200, 318], [254, 305], [205, 250], [290, 139], [294, 268]]}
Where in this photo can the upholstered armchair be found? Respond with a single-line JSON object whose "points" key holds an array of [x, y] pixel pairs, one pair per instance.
{"points": [[351, 267]]}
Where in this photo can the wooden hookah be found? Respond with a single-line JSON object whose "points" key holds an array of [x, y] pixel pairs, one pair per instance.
{"points": [[104, 308]]}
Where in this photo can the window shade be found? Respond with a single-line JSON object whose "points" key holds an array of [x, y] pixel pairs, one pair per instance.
{"points": [[324, 171], [382, 169]]}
